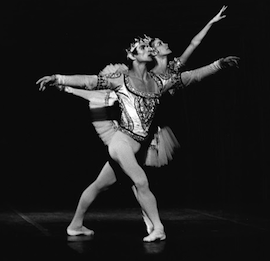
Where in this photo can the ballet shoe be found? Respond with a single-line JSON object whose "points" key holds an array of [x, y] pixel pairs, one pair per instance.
{"points": [[80, 231], [156, 235]]}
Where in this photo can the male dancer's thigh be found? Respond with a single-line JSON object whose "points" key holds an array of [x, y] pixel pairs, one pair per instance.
{"points": [[123, 149], [106, 177]]}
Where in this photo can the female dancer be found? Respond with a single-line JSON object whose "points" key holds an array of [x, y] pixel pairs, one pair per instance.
{"points": [[164, 142]]}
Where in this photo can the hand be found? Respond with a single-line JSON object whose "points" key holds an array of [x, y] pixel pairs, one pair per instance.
{"points": [[230, 61], [219, 16], [46, 80]]}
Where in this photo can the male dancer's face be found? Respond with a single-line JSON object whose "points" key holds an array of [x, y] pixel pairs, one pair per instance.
{"points": [[144, 52]]}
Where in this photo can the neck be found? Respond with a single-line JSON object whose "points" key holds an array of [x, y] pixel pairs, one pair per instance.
{"points": [[161, 67], [139, 70]]}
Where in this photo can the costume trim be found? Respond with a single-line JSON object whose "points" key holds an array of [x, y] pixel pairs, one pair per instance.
{"points": [[175, 66], [140, 93], [125, 119], [132, 135], [102, 82]]}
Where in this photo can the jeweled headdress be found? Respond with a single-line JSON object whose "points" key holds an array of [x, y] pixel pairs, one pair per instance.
{"points": [[137, 42]]}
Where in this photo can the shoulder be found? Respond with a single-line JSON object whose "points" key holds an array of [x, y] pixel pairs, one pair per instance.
{"points": [[112, 76], [114, 69], [162, 77], [176, 65], [110, 80], [169, 80]]}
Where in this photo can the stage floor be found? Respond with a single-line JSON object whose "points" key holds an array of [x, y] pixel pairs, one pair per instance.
{"points": [[191, 235]]}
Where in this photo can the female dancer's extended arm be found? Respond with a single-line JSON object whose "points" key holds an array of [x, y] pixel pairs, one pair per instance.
{"points": [[193, 76], [195, 42], [187, 78]]}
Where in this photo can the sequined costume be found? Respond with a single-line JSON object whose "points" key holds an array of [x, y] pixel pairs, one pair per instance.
{"points": [[163, 144], [138, 108]]}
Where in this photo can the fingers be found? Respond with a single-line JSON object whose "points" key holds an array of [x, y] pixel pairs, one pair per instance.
{"points": [[234, 61], [42, 86], [236, 58], [231, 61], [233, 57], [42, 81], [220, 14], [224, 7]]}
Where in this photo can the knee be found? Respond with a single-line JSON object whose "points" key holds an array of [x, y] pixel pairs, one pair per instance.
{"points": [[141, 185], [114, 150]]}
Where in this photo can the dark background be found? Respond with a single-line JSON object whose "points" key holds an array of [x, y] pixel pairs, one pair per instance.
{"points": [[49, 149]]}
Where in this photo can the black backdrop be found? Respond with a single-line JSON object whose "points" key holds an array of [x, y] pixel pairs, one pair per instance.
{"points": [[50, 151]]}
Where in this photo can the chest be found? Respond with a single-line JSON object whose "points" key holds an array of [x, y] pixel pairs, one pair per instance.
{"points": [[148, 86]]}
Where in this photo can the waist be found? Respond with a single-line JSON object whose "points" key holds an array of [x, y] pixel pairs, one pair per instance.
{"points": [[106, 113], [135, 136]]}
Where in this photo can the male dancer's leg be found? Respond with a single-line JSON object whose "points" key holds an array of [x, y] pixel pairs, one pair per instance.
{"points": [[105, 179], [122, 149], [147, 221]]}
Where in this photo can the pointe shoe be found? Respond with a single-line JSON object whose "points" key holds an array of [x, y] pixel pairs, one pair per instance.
{"points": [[80, 231], [156, 235]]}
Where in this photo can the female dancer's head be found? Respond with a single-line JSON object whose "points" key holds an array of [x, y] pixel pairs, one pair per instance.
{"points": [[160, 48]]}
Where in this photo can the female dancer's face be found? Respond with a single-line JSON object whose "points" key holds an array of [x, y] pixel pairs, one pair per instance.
{"points": [[161, 47]]}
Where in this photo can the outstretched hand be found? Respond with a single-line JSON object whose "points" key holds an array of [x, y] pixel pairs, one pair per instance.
{"points": [[230, 61], [45, 81], [220, 14]]}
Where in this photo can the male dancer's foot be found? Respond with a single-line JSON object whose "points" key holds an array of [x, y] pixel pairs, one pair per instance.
{"points": [[78, 231], [157, 235]]}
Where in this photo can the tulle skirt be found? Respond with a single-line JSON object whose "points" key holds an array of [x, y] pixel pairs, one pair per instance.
{"points": [[162, 148], [106, 130]]}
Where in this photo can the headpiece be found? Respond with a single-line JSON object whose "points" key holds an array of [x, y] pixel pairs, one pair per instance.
{"points": [[146, 40]]}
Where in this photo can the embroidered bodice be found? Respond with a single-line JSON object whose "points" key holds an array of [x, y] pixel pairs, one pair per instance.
{"points": [[137, 108]]}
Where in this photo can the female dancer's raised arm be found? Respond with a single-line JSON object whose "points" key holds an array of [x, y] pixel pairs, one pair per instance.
{"points": [[195, 42]]}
